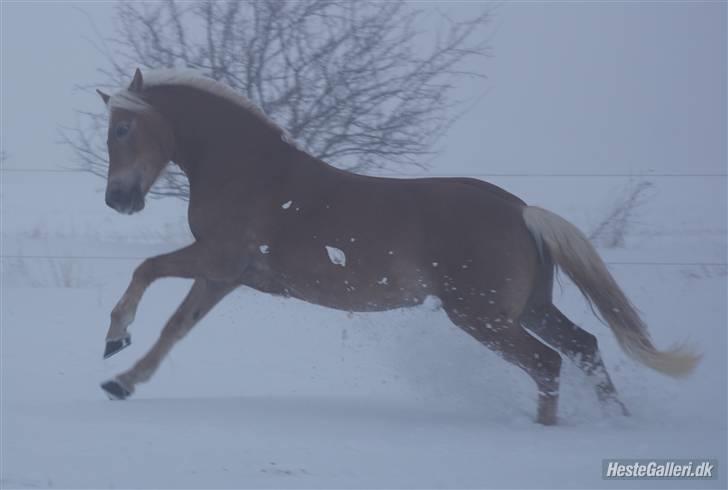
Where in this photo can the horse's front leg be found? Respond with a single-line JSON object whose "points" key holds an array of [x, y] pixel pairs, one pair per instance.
{"points": [[203, 296], [185, 263]]}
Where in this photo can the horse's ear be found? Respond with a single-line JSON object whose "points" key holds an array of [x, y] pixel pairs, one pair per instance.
{"points": [[137, 82], [104, 97]]}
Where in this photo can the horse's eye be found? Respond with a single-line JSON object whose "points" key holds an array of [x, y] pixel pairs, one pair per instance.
{"points": [[121, 130]]}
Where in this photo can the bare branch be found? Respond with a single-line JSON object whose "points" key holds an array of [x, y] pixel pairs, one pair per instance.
{"points": [[354, 83], [611, 231]]}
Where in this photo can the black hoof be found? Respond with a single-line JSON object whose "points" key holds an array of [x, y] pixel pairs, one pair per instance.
{"points": [[114, 346], [114, 390]]}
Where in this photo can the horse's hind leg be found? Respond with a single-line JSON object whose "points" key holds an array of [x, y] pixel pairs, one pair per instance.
{"points": [[203, 296], [518, 347], [576, 344]]}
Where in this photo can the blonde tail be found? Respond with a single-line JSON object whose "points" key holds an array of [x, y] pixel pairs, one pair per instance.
{"points": [[573, 253]]}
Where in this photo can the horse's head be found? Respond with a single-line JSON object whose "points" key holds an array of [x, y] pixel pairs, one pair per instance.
{"points": [[140, 143]]}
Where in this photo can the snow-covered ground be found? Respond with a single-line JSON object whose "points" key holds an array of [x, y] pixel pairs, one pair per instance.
{"points": [[274, 393]]}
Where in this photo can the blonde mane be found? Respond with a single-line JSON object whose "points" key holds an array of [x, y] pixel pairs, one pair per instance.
{"points": [[131, 101]]}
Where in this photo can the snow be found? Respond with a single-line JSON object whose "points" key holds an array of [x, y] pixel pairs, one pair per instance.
{"points": [[264, 249], [275, 393], [432, 303], [394, 399], [336, 256], [286, 204]]}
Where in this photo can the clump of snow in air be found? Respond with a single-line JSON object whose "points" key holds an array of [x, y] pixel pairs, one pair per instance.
{"points": [[432, 303], [264, 249], [435, 264], [336, 256], [383, 281], [286, 204]]}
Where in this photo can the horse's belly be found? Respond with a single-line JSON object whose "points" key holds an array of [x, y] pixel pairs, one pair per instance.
{"points": [[362, 291], [343, 300]]}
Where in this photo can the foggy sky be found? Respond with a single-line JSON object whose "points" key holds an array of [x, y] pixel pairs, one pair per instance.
{"points": [[586, 87]]}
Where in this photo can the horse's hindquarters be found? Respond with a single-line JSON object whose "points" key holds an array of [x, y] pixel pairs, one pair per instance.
{"points": [[486, 259]]}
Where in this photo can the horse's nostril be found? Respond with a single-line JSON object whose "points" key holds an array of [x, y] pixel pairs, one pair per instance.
{"points": [[124, 200], [117, 198], [113, 197]]}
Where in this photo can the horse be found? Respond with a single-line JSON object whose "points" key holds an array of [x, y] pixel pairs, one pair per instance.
{"points": [[267, 215]]}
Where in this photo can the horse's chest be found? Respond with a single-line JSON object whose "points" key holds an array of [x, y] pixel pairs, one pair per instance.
{"points": [[198, 219], [209, 221]]}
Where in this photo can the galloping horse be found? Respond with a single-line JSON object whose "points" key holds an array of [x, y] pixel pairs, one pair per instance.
{"points": [[267, 215]]}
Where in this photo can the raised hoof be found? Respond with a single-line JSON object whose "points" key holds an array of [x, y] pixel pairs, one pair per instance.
{"points": [[114, 346], [114, 390]]}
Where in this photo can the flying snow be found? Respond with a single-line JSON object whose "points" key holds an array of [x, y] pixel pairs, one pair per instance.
{"points": [[336, 256], [264, 249], [432, 303], [286, 204]]}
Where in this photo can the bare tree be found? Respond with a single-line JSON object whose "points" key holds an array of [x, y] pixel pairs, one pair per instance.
{"points": [[611, 231], [357, 84]]}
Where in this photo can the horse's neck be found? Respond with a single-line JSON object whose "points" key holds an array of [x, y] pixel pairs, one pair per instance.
{"points": [[225, 149], [220, 144]]}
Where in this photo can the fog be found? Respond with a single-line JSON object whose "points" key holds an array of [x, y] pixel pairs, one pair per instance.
{"points": [[583, 104]]}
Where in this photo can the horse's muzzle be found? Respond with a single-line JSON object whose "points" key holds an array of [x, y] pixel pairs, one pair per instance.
{"points": [[125, 201]]}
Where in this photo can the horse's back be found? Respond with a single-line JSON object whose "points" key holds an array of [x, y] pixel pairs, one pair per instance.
{"points": [[474, 212], [441, 208], [486, 189]]}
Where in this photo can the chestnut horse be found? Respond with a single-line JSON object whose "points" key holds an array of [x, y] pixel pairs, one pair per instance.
{"points": [[269, 216]]}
